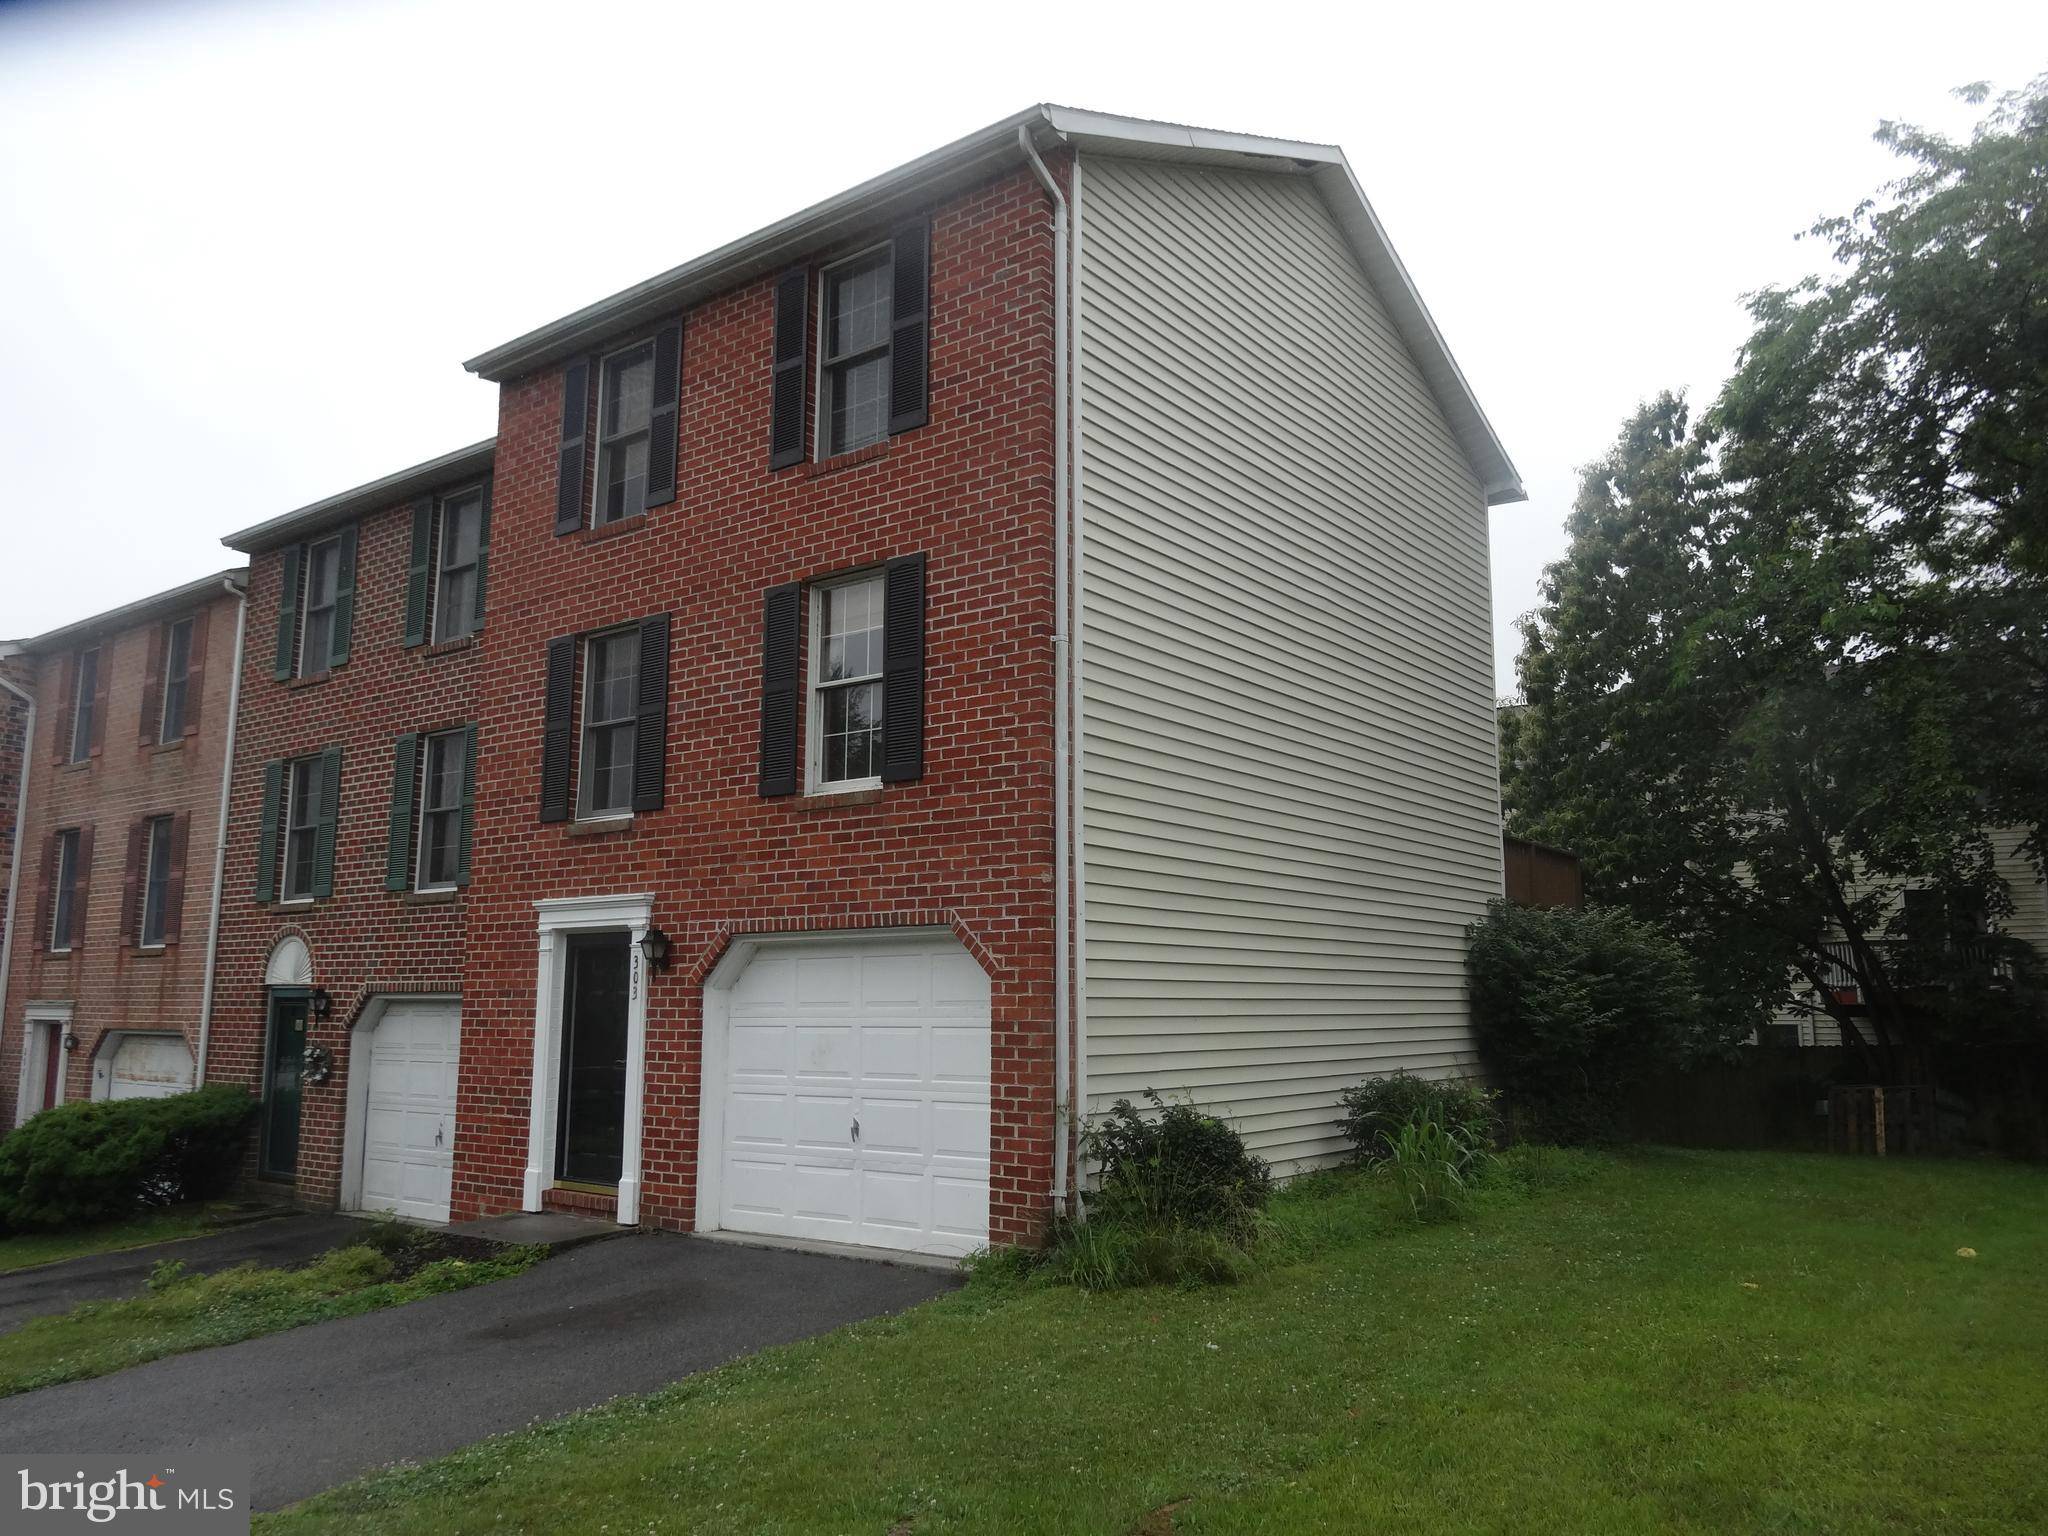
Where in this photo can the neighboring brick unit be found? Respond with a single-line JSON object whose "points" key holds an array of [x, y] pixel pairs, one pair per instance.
{"points": [[17, 672], [969, 845], [108, 983], [365, 941]]}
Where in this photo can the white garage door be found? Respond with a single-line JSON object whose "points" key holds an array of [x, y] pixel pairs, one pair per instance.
{"points": [[409, 1119], [149, 1067], [856, 1104]]}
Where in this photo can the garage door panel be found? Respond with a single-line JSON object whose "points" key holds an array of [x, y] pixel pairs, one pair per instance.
{"points": [[149, 1067], [408, 1153], [894, 1033]]}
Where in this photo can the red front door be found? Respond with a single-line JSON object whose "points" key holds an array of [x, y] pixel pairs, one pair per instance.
{"points": [[53, 1065]]}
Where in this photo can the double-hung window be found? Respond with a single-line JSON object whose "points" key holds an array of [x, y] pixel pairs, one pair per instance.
{"points": [[84, 701], [853, 362], [625, 410], [64, 892], [177, 663], [302, 829], [611, 676], [440, 850], [156, 882], [456, 588], [323, 589], [846, 684]]}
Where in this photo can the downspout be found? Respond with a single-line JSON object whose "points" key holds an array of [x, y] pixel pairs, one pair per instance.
{"points": [[1062, 1115], [1078, 552], [28, 747], [220, 835]]}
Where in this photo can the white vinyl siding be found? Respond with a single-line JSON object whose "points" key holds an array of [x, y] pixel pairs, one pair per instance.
{"points": [[2029, 916], [1291, 798]]}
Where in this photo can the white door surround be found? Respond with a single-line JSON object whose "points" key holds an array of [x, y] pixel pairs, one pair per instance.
{"points": [[557, 919], [890, 1027], [161, 1065], [43, 1028], [360, 1133]]}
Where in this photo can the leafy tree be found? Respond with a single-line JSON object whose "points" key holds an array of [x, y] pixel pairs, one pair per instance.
{"points": [[1794, 660]]}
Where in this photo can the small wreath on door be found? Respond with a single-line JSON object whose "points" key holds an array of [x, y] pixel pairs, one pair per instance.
{"points": [[317, 1065]]}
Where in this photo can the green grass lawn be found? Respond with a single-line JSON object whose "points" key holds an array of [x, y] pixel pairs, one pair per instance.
{"points": [[1683, 1341], [183, 1312], [157, 1227]]}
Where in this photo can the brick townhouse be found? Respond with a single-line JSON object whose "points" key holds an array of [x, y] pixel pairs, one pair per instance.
{"points": [[350, 851], [118, 782]]}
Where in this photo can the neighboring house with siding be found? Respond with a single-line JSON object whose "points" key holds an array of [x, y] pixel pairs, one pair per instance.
{"points": [[107, 925]]}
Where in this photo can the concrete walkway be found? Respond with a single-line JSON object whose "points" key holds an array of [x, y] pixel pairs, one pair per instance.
{"points": [[279, 1241], [315, 1406]]}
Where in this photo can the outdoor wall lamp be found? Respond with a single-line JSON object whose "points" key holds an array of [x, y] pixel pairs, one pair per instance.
{"points": [[655, 946], [320, 1004], [70, 1041]]}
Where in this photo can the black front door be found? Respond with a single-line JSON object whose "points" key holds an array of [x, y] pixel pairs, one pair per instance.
{"points": [[590, 1144], [287, 1056]]}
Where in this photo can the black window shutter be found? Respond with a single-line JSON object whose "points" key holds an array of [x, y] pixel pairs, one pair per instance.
{"points": [[266, 840], [569, 472], [468, 805], [330, 816], [558, 729], [781, 686], [910, 331], [483, 554], [650, 727], [405, 773], [792, 337], [344, 597], [661, 423], [288, 613], [417, 572], [903, 670]]}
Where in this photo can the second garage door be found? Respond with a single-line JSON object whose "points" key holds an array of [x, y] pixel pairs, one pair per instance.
{"points": [[856, 1095], [409, 1117], [150, 1067]]}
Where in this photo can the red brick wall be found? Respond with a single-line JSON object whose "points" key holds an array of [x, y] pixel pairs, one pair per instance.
{"points": [[108, 981], [364, 939], [13, 734], [972, 840]]}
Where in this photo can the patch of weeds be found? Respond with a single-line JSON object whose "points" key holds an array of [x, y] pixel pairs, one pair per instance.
{"points": [[1436, 1168]]}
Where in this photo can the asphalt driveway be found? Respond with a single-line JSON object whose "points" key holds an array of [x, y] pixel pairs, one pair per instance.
{"points": [[315, 1406]]}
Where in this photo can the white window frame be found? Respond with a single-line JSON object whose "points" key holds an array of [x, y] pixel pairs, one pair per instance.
{"points": [[69, 841], [312, 830], [817, 688], [326, 664], [181, 680], [821, 430], [473, 620], [602, 444], [159, 836], [84, 698], [426, 767], [585, 811]]}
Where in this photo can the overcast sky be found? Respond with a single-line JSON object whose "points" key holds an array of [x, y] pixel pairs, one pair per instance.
{"points": [[245, 246]]}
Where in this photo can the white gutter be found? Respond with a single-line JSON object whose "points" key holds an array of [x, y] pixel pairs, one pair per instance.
{"points": [[1063, 775], [28, 748], [220, 835], [1078, 550]]}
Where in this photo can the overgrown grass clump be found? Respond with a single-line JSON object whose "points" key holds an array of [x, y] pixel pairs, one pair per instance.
{"points": [[183, 1311]]}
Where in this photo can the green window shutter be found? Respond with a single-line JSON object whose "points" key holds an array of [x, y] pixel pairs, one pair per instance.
{"points": [[344, 598], [330, 813], [468, 804], [266, 835], [483, 551], [405, 759], [288, 612], [416, 573]]}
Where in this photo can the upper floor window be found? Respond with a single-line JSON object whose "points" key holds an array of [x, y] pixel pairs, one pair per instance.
{"points": [[84, 703], [441, 809], [611, 674], [846, 684], [625, 409], [458, 586], [323, 587], [301, 814], [65, 877], [302, 828], [156, 882], [316, 605], [853, 362], [176, 683]]}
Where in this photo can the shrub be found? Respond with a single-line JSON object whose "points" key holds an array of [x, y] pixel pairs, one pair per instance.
{"points": [[1573, 1006], [1376, 1109], [1176, 1168], [1435, 1167], [102, 1159]]}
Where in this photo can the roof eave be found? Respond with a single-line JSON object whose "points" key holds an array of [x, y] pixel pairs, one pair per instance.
{"points": [[128, 615], [462, 464]]}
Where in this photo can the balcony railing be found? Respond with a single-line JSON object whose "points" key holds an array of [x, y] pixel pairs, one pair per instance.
{"points": [[1962, 956]]}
